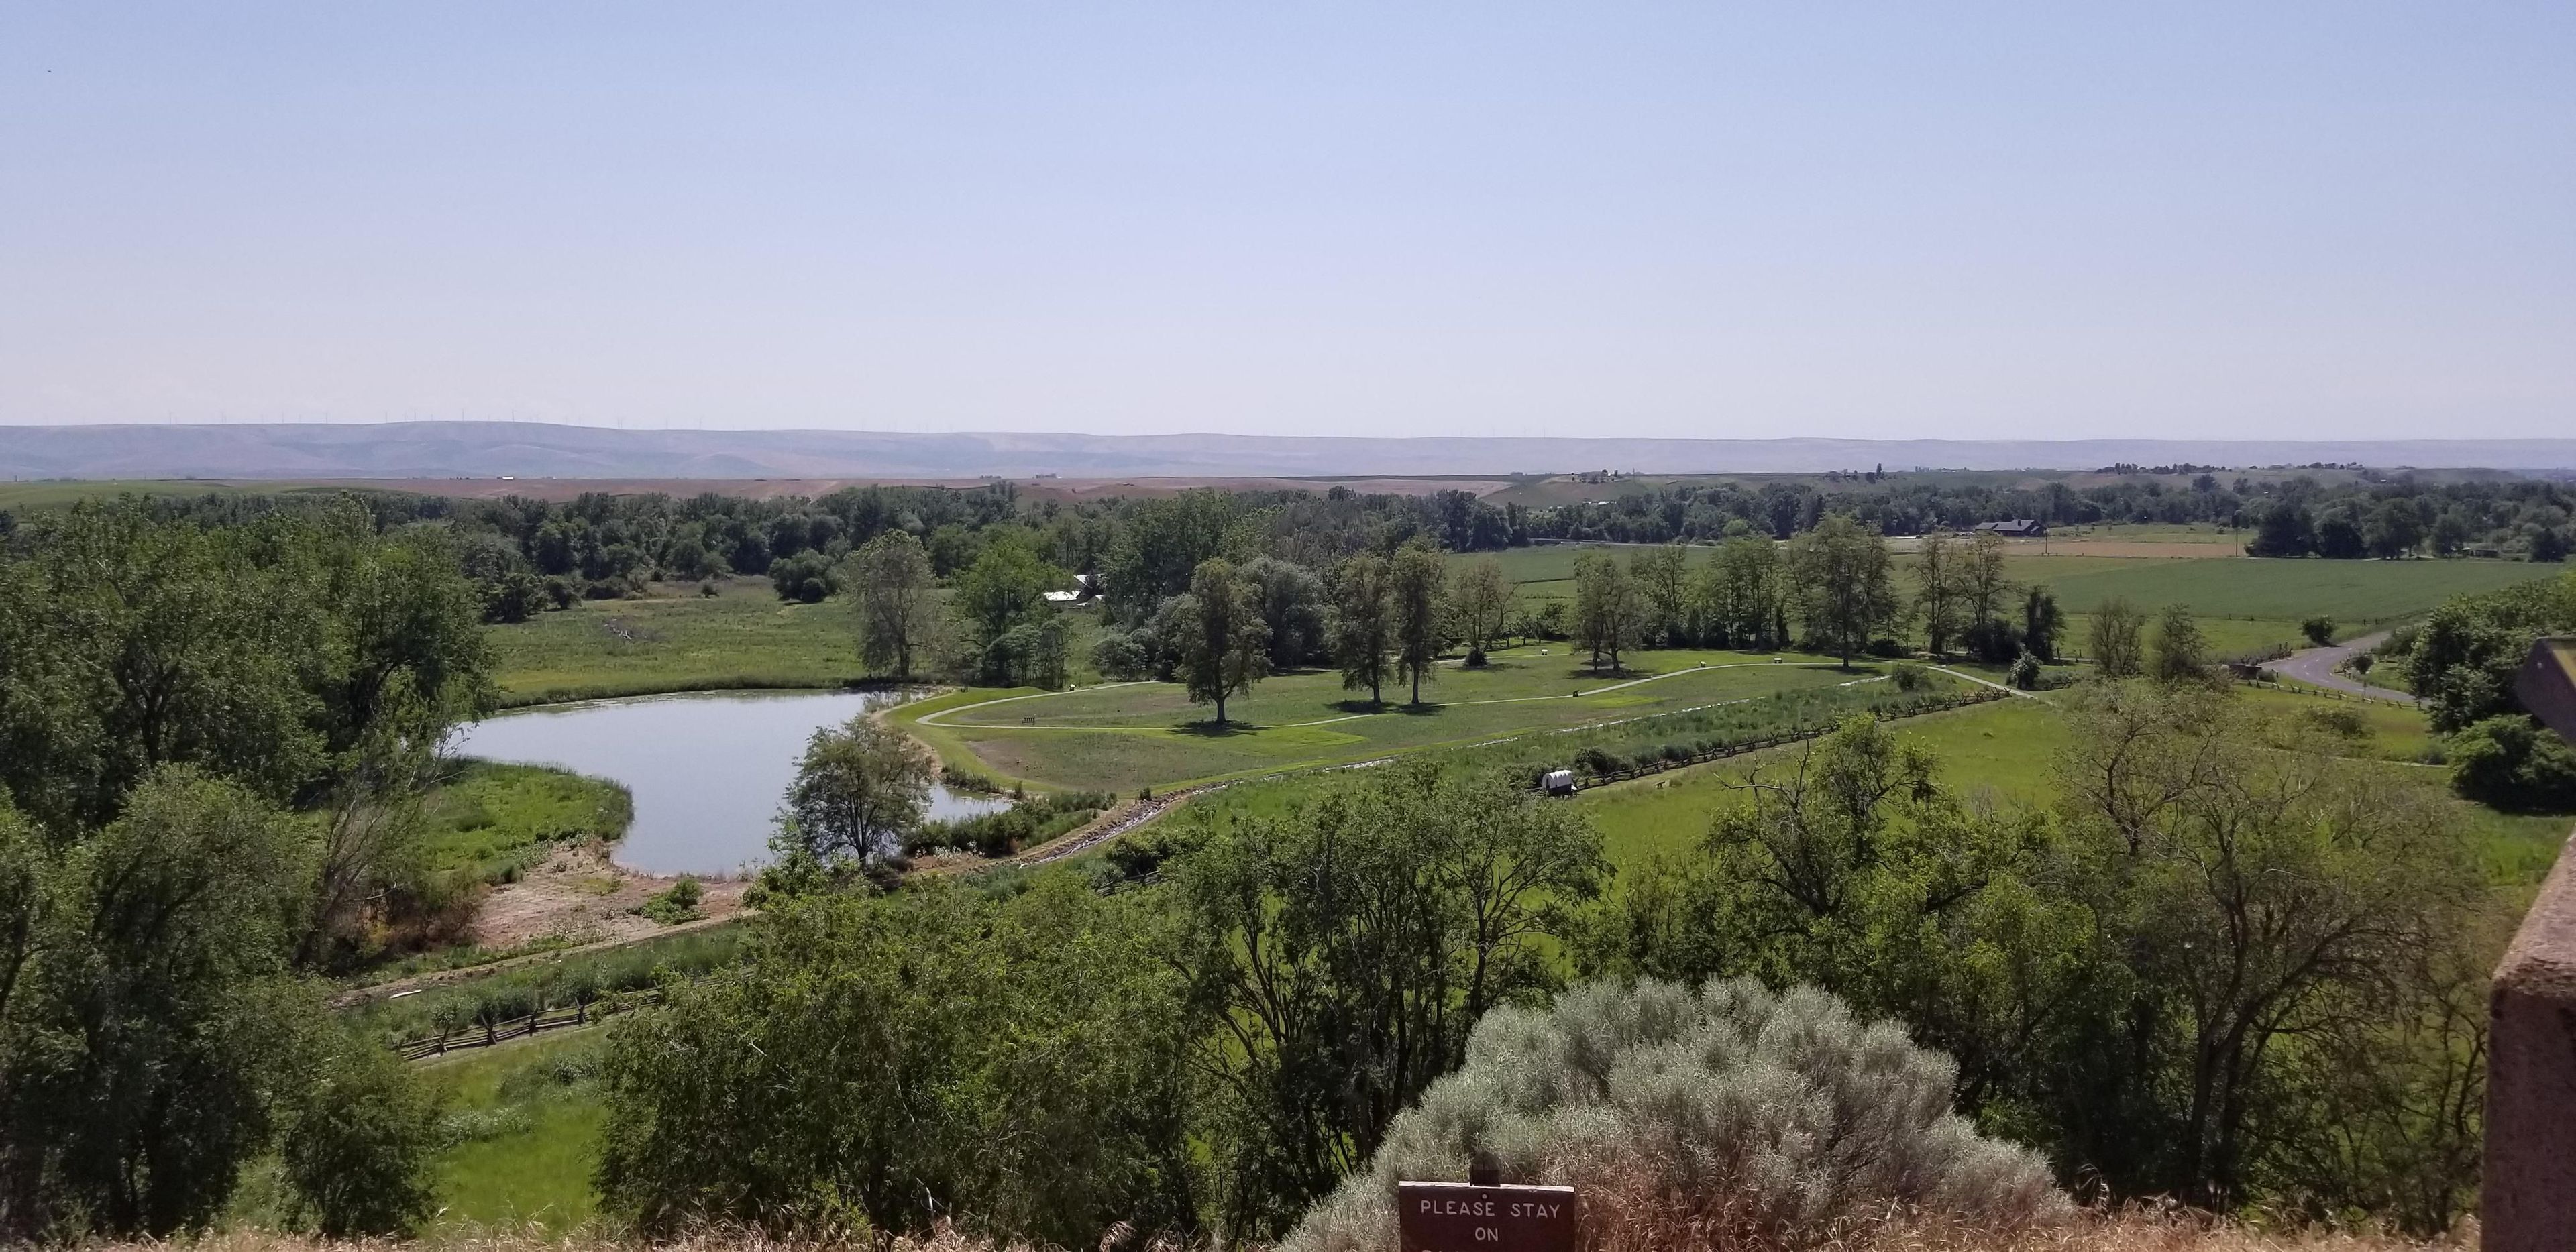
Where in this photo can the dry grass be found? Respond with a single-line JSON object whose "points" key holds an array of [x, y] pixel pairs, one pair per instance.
{"points": [[2087, 1232]]}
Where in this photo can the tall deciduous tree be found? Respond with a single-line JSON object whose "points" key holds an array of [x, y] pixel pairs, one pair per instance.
{"points": [[1847, 594], [1418, 580], [1662, 575], [1480, 605], [2041, 622], [898, 616], [1292, 606], [860, 786], [2181, 655], [1607, 610], [1742, 592], [1936, 590], [1353, 943], [1221, 642], [2117, 643], [1363, 625]]}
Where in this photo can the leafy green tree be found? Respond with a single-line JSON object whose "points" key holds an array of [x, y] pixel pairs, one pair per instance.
{"points": [[860, 786], [143, 980], [2250, 894], [1157, 553], [1363, 624], [1845, 591], [2179, 653], [2319, 629], [1219, 641], [1607, 609], [358, 1137], [1417, 582], [1480, 605], [1351, 944], [2514, 763], [258, 651], [1292, 607], [2395, 528], [1936, 591], [2041, 623], [1743, 593], [1014, 1062], [1005, 587], [2117, 644], [1662, 578], [898, 615]]}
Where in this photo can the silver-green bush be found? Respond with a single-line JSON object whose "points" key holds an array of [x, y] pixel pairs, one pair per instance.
{"points": [[1735, 1113]]}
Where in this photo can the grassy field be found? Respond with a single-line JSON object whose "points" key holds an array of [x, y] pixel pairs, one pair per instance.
{"points": [[742, 637], [2004, 752], [1132, 735], [524, 1123]]}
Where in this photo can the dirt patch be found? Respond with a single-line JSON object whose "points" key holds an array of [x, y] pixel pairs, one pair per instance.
{"points": [[582, 896]]}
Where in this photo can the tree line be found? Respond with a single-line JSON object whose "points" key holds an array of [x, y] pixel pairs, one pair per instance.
{"points": [[2296, 516]]}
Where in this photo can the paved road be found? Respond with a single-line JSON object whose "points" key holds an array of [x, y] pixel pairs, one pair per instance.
{"points": [[2316, 667]]}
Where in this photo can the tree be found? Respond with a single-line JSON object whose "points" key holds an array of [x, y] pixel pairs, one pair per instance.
{"points": [[1983, 590], [1351, 944], [1662, 577], [1219, 642], [1480, 606], [1607, 611], [1363, 625], [1015, 1061], [2282, 530], [1742, 592], [1004, 587], [2040, 623], [1936, 591], [1417, 581], [859, 787], [898, 617], [152, 1035], [358, 1139], [2319, 629], [1292, 607], [2395, 528], [1845, 591], [2118, 650], [2180, 654], [2250, 893]]}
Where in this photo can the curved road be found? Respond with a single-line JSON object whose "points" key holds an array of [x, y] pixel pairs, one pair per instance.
{"points": [[2316, 667]]}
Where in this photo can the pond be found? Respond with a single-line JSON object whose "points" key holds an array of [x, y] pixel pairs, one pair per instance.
{"points": [[707, 770]]}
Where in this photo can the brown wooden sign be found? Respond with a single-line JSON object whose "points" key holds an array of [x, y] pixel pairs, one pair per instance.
{"points": [[1460, 1217]]}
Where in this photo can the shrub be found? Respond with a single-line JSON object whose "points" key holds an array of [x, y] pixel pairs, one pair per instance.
{"points": [[1909, 677], [1739, 1118], [2025, 673], [2513, 763], [2320, 630]]}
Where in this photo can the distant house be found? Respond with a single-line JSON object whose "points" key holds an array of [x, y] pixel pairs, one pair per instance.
{"points": [[2018, 528], [1085, 591]]}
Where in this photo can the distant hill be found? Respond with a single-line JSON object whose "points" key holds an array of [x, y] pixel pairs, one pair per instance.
{"points": [[397, 450]]}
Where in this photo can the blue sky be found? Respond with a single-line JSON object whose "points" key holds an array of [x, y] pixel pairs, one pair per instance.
{"points": [[2277, 220]]}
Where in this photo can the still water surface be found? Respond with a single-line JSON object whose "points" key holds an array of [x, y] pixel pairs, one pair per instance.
{"points": [[707, 770]]}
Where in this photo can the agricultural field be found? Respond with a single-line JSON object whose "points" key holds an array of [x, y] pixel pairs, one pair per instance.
{"points": [[1126, 736]]}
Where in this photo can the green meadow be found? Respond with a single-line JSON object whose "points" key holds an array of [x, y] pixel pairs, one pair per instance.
{"points": [[1125, 736]]}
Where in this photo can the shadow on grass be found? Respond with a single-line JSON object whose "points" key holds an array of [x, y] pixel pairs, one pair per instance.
{"points": [[1214, 729]]}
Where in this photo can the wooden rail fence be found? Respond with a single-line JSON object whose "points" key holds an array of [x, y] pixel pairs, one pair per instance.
{"points": [[1982, 695]]}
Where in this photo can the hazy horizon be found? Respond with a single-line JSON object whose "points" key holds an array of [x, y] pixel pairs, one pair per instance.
{"points": [[2298, 222]]}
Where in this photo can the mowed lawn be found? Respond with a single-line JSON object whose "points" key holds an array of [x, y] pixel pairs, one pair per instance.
{"points": [[1133, 735]]}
